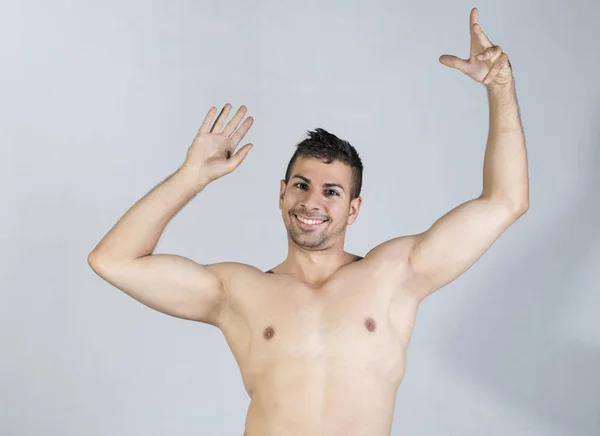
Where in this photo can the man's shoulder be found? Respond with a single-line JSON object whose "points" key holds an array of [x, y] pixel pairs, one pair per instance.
{"points": [[392, 250], [232, 274], [230, 269]]}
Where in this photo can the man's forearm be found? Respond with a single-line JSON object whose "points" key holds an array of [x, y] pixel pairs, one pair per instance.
{"points": [[138, 231], [505, 174]]}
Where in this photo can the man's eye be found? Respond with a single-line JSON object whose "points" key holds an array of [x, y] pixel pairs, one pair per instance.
{"points": [[301, 185]]}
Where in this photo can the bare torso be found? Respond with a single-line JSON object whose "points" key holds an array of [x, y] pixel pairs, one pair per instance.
{"points": [[319, 360]]}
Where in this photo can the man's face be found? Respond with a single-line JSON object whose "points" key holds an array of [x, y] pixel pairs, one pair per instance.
{"points": [[320, 192]]}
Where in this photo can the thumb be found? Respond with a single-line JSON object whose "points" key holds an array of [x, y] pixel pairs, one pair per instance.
{"points": [[239, 157], [453, 62]]}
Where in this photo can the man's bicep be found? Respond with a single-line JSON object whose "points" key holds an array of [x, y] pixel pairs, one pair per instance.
{"points": [[170, 284], [455, 242]]}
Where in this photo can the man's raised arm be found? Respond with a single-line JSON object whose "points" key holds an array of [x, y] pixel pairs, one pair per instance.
{"points": [[458, 239], [168, 283]]}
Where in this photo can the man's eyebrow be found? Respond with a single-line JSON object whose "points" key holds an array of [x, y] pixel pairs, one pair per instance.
{"points": [[326, 185]]}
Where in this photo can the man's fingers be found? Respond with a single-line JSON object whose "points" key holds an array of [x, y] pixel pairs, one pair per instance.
{"points": [[453, 62], [241, 132], [235, 160], [495, 69], [480, 36], [205, 127], [474, 17], [232, 125], [490, 53], [221, 118]]}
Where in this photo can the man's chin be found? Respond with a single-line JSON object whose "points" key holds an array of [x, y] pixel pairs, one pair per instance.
{"points": [[306, 239]]}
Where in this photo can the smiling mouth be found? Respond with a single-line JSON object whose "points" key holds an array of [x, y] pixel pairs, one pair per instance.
{"points": [[308, 222]]}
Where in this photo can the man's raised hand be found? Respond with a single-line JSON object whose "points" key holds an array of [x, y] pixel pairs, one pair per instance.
{"points": [[211, 153], [487, 63]]}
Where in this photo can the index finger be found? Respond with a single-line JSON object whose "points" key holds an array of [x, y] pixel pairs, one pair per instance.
{"points": [[474, 18]]}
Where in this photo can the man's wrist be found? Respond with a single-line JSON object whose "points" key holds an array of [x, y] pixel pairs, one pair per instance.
{"points": [[502, 90], [195, 177]]}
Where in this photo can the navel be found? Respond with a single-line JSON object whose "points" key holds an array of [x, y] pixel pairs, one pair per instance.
{"points": [[370, 324], [268, 333]]}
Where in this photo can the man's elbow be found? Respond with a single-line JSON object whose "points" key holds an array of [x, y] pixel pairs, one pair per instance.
{"points": [[94, 261], [518, 202], [521, 205], [524, 208], [97, 261], [518, 208]]}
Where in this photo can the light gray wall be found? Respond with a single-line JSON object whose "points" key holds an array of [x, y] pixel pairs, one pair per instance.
{"points": [[99, 103]]}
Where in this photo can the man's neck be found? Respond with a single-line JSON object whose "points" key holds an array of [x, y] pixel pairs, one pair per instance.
{"points": [[314, 272]]}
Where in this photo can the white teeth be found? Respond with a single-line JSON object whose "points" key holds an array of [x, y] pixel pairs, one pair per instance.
{"points": [[311, 222]]}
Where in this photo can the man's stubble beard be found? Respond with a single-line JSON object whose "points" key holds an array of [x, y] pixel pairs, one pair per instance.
{"points": [[319, 242]]}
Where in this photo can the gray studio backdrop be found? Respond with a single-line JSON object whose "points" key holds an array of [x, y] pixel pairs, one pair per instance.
{"points": [[99, 102]]}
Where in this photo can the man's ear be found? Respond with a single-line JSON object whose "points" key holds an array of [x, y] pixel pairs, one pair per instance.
{"points": [[282, 188], [354, 209]]}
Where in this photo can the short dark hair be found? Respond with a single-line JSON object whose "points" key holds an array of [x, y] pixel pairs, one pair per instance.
{"points": [[327, 147]]}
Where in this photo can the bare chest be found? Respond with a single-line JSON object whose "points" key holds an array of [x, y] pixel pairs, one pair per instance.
{"points": [[344, 328]]}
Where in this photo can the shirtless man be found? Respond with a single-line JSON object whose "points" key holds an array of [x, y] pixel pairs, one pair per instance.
{"points": [[321, 339]]}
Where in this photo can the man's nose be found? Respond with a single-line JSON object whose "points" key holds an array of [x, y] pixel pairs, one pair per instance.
{"points": [[312, 200]]}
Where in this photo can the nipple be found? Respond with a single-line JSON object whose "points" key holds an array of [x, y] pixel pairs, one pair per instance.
{"points": [[370, 324], [269, 332]]}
